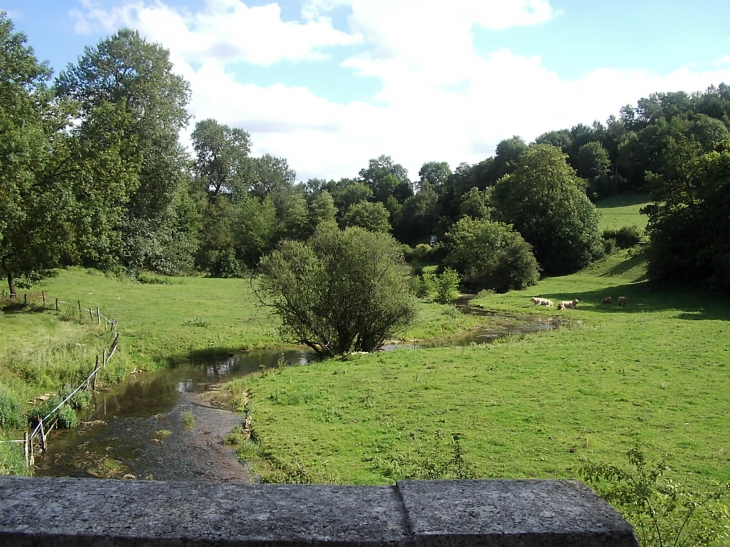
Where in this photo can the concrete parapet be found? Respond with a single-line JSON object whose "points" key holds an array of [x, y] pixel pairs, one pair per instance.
{"points": [[73, 512]]}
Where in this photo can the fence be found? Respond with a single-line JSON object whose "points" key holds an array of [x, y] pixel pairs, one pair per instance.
{"points": [[51, 419]]}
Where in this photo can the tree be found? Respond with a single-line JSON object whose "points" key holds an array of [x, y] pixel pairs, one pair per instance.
{"points": [[321, 210], [339, 292], [435, 173], [689, 219], [270, 174], [255, 228], [546, 203], [490, 255], [368, 215], [386, 179], [135, 78], [34, 199], [221, 163]]}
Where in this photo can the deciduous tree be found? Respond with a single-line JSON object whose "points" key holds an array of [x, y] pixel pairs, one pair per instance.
{"points": [[341, 291]]}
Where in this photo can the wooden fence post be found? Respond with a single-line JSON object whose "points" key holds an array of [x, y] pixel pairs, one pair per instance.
{"points": [[96, 374], [98, 316], [103, 361], [79, 301], [26, 453], [91, 314], [56, 304], [25, 299], [43, 438], [43, 293]]}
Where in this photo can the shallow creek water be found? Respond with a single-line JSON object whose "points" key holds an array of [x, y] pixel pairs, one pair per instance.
{"points": [[138, 430]]}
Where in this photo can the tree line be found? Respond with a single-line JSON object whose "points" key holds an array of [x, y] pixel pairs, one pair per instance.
{"points": [[93, 173]]}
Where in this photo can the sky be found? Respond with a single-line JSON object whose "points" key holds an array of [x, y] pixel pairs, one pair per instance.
{"points": [[331, 84]]}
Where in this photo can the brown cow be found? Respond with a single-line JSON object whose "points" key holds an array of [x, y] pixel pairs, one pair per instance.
{"points": [[623, 301], [607, 300]]}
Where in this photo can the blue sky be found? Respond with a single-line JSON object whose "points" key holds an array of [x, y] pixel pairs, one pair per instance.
{"points": [[329, 84]]}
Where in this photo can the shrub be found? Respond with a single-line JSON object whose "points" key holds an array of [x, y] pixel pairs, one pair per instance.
{"points": [[625, 237], [490, 255], [341, 291], [67, 418], [662, 511], [447, 286], [609, 246]]}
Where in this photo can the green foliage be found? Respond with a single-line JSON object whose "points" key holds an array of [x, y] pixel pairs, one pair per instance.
{"points": [[221, 164], [372, 216], [67, 418], [688, 221], [546, 203], [341, 291], [11, 410], [447, 286], [663, 512], [490, 255], [34, 203], [625, 237]]}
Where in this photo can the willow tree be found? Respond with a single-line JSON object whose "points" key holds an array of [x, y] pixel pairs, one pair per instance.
{"points": [[339, 292]]}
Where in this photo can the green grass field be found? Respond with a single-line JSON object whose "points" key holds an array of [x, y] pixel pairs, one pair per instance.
{"points": [[622, 210], [654, 374]]}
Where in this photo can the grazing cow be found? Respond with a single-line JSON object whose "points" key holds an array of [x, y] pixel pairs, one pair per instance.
{"points": [[607, 300], [564, 305], [623, 301], [541, 301]]}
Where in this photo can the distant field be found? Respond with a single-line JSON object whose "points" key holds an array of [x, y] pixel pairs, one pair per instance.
{"points": [[622, 210]]}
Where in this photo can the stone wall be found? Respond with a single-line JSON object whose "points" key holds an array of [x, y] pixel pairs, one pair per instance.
{"points": [[84, 512]]}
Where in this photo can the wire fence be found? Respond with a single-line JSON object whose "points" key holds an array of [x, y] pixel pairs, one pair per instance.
{"points": [[48, 422]]}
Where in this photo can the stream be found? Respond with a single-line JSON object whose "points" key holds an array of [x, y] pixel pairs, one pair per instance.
{"points": [[170, 424]]}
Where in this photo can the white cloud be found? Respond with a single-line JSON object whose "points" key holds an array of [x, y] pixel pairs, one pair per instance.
{"points": [[440, 101], [225, 31], [723, 60]]}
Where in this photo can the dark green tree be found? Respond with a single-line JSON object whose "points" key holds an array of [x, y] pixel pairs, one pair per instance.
{"points": [[689, 219], [339, 292], [546, 202], [490, 255]]}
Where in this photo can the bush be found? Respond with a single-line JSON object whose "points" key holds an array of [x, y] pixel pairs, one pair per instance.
{"points": [[609, 246], [625, 237], [447, 286], [663, 512], [490, 255], [341, 291], [67, 418]]}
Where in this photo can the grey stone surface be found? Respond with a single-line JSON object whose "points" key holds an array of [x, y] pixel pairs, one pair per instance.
{"points": [[511, 513], [84, 512]]}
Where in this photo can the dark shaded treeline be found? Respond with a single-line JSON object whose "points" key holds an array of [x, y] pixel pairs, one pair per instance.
{"points": [[93, 173]]}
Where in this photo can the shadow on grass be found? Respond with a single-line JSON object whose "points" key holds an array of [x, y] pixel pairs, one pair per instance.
{"points": [[693, 304], [628, 265]]}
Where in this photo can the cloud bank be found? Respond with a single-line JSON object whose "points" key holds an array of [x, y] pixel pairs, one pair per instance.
{"points": [[440, 99]]}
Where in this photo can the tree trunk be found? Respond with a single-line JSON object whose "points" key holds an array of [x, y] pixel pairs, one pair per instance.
{"points": [[11, 279]]}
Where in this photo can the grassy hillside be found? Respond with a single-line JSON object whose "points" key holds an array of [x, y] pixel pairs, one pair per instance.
{"points": [[535, 406], [622, 210]]}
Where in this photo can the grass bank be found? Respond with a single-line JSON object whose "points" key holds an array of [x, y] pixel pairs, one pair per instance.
{"points": [[655, 374], [162, 321], [622, 210]]}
